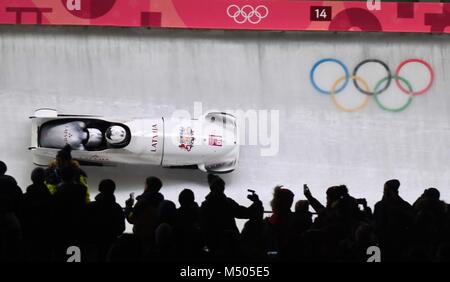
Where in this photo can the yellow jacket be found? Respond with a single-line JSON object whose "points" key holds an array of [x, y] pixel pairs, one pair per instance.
{"points": [[52, 186]]}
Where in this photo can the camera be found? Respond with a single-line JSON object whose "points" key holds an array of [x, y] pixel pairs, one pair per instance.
{"points": [[252, 196], [361, 201], [305, 187]]}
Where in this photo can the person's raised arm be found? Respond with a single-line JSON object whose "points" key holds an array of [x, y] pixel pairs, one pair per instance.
{"points": [[129, 208], [315, 204], [246, 212]]}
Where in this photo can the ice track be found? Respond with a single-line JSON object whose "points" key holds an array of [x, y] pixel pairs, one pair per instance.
{"points": [[139, 72]]}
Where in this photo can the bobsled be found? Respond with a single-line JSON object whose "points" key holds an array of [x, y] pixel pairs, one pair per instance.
{"points": [[209, 143]]}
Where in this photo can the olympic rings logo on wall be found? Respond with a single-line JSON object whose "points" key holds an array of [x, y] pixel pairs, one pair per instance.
{"points": [[247, 13], [381, 86]]}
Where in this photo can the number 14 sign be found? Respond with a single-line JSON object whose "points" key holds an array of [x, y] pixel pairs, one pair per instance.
{"points": [[320, 13]]}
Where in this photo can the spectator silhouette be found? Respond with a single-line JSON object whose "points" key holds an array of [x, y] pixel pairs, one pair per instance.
{"points": [[10, 227], [37, 225], [393, 219], [145, 214], [347, 215], [302, 217], [167, 212], [429, 222], [337, 221], [333, 194], [3, 168], [188, 237], [325, 214], [255, 236], [282, 222], [354, 248], [63, 160], [164, 243], [164, 248], [10, 192], [36, 216], [10, 237], [70, 211], [218, 214], [188, 213], [105, 219]]}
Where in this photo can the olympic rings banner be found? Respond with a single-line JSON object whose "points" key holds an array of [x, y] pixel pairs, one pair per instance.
{"points": [[232, 14], [381, 84]]}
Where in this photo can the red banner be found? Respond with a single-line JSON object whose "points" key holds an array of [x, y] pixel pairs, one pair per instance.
{"points": [[233, 14]]}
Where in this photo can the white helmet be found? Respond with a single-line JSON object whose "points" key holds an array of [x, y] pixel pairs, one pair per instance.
{"points": [[95, 137], [115, 134]]}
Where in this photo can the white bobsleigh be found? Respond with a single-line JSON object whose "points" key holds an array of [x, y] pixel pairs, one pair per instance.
{"points": [[209, 143]]}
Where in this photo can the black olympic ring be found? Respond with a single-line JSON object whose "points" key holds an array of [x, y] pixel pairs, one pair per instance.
{"points": [[385, 66]]}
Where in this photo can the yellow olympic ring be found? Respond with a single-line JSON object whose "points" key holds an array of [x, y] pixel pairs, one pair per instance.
{"points": [[345, 109]]}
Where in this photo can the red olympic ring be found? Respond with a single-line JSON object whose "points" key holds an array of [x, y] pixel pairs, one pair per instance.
{"points": [[416, 93]]}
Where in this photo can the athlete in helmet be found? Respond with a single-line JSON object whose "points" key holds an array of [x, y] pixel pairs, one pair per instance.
{"points": [[94, 138], [75, 133], [116, 135]]}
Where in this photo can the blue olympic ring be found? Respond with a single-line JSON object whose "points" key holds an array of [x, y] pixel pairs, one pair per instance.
{"points": [[313, 70]]}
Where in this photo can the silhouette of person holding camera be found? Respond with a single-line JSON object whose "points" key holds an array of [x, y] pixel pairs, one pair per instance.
{"points": [[218, 214]]}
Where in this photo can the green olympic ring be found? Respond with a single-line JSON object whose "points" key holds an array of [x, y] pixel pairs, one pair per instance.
{"points": [[397, 78]]}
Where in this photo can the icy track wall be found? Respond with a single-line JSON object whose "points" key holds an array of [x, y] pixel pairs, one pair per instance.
{"points": [[151, 73]]}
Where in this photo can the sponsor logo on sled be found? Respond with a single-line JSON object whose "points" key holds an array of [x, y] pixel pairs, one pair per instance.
{"points": [[186, 138], [98, 158], [215, 140], [154, 138]]}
